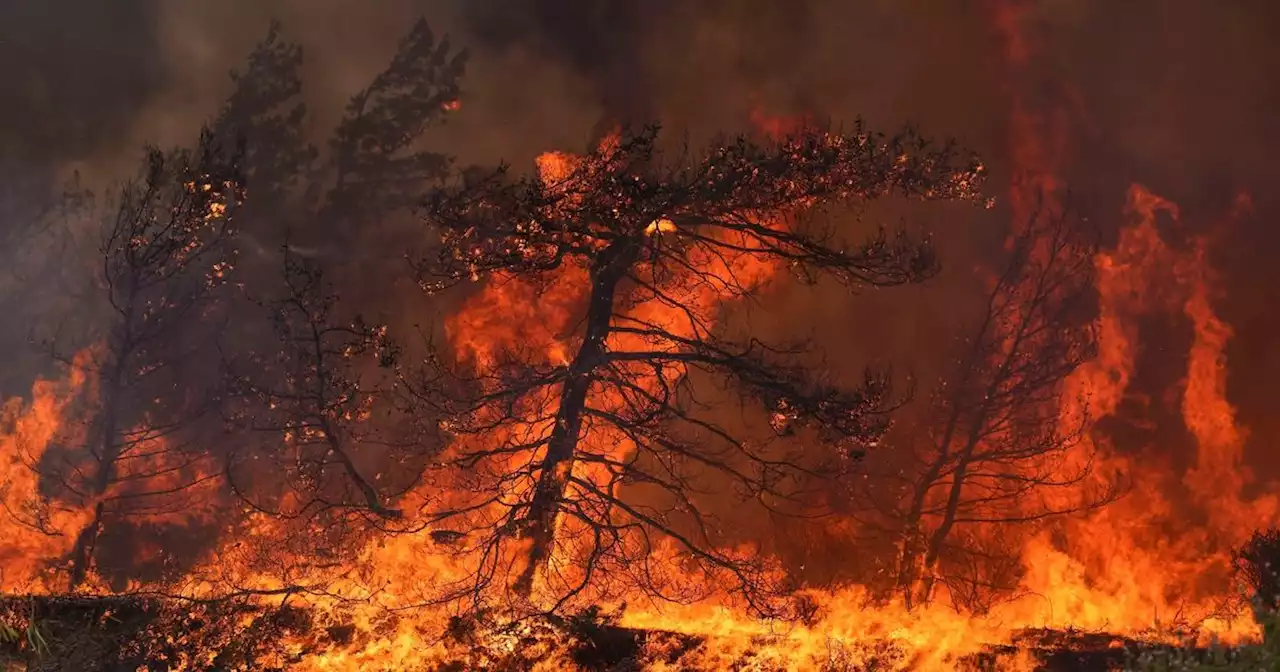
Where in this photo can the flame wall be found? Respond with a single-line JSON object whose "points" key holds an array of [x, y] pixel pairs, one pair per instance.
{"points": [[1177, 95]]}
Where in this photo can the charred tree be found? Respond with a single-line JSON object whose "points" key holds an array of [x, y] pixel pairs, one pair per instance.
{"points": [[342, 207], [164, 255], [313, 398], [651, 250], [169, 313], [1004, 442], [154, 299]]}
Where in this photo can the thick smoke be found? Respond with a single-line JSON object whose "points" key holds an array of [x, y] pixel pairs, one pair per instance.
{"points": [[1178, 94], [76, 74]]}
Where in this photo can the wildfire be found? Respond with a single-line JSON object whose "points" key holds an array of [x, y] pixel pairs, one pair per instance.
{"points": [[1117, 570], [389, 593], [1122, 569]]}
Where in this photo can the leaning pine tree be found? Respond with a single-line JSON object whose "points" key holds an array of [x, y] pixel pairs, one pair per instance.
{"points": [[650, 250]]}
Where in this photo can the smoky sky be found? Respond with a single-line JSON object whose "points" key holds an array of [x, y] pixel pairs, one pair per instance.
{"points": [[1180, 95], [1173, 87], [75, 72], [608, 41], [598, 38]]}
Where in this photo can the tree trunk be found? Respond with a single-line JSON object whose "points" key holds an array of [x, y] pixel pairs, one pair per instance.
{"points": [[371, 496], [911, 560], [553, 478], [912, 548], [928, 567], [108, 453], [912, 563], [928, 574]]}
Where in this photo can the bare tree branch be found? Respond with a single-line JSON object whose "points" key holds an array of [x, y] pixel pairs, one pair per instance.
{"points": [[651, 251], [1000, 446]]}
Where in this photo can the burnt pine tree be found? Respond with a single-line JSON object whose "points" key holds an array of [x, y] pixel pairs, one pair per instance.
{"points": [[545, 448], [155, 382], [374, 167], [312, 398], [164, 257], [1003, 441]]}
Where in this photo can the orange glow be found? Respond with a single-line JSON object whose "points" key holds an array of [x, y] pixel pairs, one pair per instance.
{"points": [[774, 126], [1116, 570], [663, 225], [1122, 568], [1153, 562], [38, 532]]}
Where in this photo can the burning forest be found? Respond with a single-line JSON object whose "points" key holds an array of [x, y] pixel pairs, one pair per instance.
{"points": [[311, 389]]}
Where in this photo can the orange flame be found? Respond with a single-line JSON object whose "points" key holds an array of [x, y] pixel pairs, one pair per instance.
{"points": [[37, 532], [1124, 569], [1161, 553]]}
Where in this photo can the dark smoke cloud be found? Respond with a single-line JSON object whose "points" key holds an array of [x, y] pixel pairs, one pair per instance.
{"points": [[600, 39], [618, 45], [1179, 88], [75, 72]]}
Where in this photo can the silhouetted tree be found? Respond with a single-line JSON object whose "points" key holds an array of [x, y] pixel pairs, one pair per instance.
{"points": [[342, 207], [1258, 564], [650, 250], [315, 396], [376, 165], [163, 259], [169, 247], [158, 363], [265, 116], [374, 168], [150, 306], [1003, 442]]}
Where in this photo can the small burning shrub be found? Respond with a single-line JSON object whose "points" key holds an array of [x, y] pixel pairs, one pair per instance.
{"points": [[1258, 564]]}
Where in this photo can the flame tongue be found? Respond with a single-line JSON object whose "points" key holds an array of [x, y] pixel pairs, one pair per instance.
{"points": [[1138, 559], [36, 530]]}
